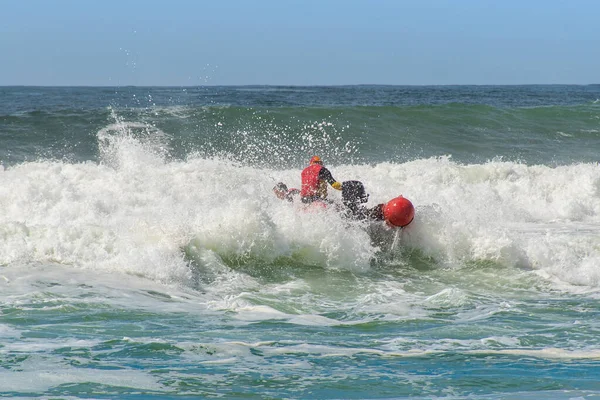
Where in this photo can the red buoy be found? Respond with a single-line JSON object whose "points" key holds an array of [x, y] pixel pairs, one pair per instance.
{"points": [[399, 212]]}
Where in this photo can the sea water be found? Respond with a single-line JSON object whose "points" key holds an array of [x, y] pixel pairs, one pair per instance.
{"points": [[144, 255]]}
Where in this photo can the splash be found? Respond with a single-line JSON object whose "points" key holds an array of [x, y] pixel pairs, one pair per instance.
{"points": [[141, 212]]}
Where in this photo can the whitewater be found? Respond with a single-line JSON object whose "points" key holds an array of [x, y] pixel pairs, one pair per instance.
{"points": [[142, 261]]}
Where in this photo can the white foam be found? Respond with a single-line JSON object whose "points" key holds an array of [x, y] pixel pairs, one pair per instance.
{"points": [[30, 346], [8, 332], [138, 213], [43, 377], [547, 353]]}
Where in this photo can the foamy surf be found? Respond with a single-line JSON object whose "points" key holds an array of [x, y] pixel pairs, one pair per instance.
{"points": [[143, 253]]}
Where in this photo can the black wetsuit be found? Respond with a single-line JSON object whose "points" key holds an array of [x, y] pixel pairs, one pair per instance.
{"points": [[359, 212], [353, 196], [325, 175]]}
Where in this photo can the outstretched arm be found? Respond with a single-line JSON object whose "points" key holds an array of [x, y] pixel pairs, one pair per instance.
{"points": [[326, 176]]}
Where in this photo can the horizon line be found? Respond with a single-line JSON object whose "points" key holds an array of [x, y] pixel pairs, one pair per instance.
{"points": [[290, 85]]}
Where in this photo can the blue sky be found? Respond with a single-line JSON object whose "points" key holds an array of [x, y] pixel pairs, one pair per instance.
{"points": [[298, 42]]}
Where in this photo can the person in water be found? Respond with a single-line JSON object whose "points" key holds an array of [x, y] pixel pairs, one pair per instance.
{"points": [[315, 178], [353, 198], [283, 193]]}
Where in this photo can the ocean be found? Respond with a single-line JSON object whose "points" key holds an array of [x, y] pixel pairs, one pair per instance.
{"points": [[144, 255]]}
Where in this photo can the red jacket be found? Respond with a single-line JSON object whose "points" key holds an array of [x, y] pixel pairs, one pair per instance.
{"points": [[311, 185]]}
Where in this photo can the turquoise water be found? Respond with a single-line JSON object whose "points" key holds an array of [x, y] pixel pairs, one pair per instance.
{"points": [[143, 255]]}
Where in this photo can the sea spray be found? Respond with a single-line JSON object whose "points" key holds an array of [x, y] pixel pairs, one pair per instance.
{"points": [[143, 253]]}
